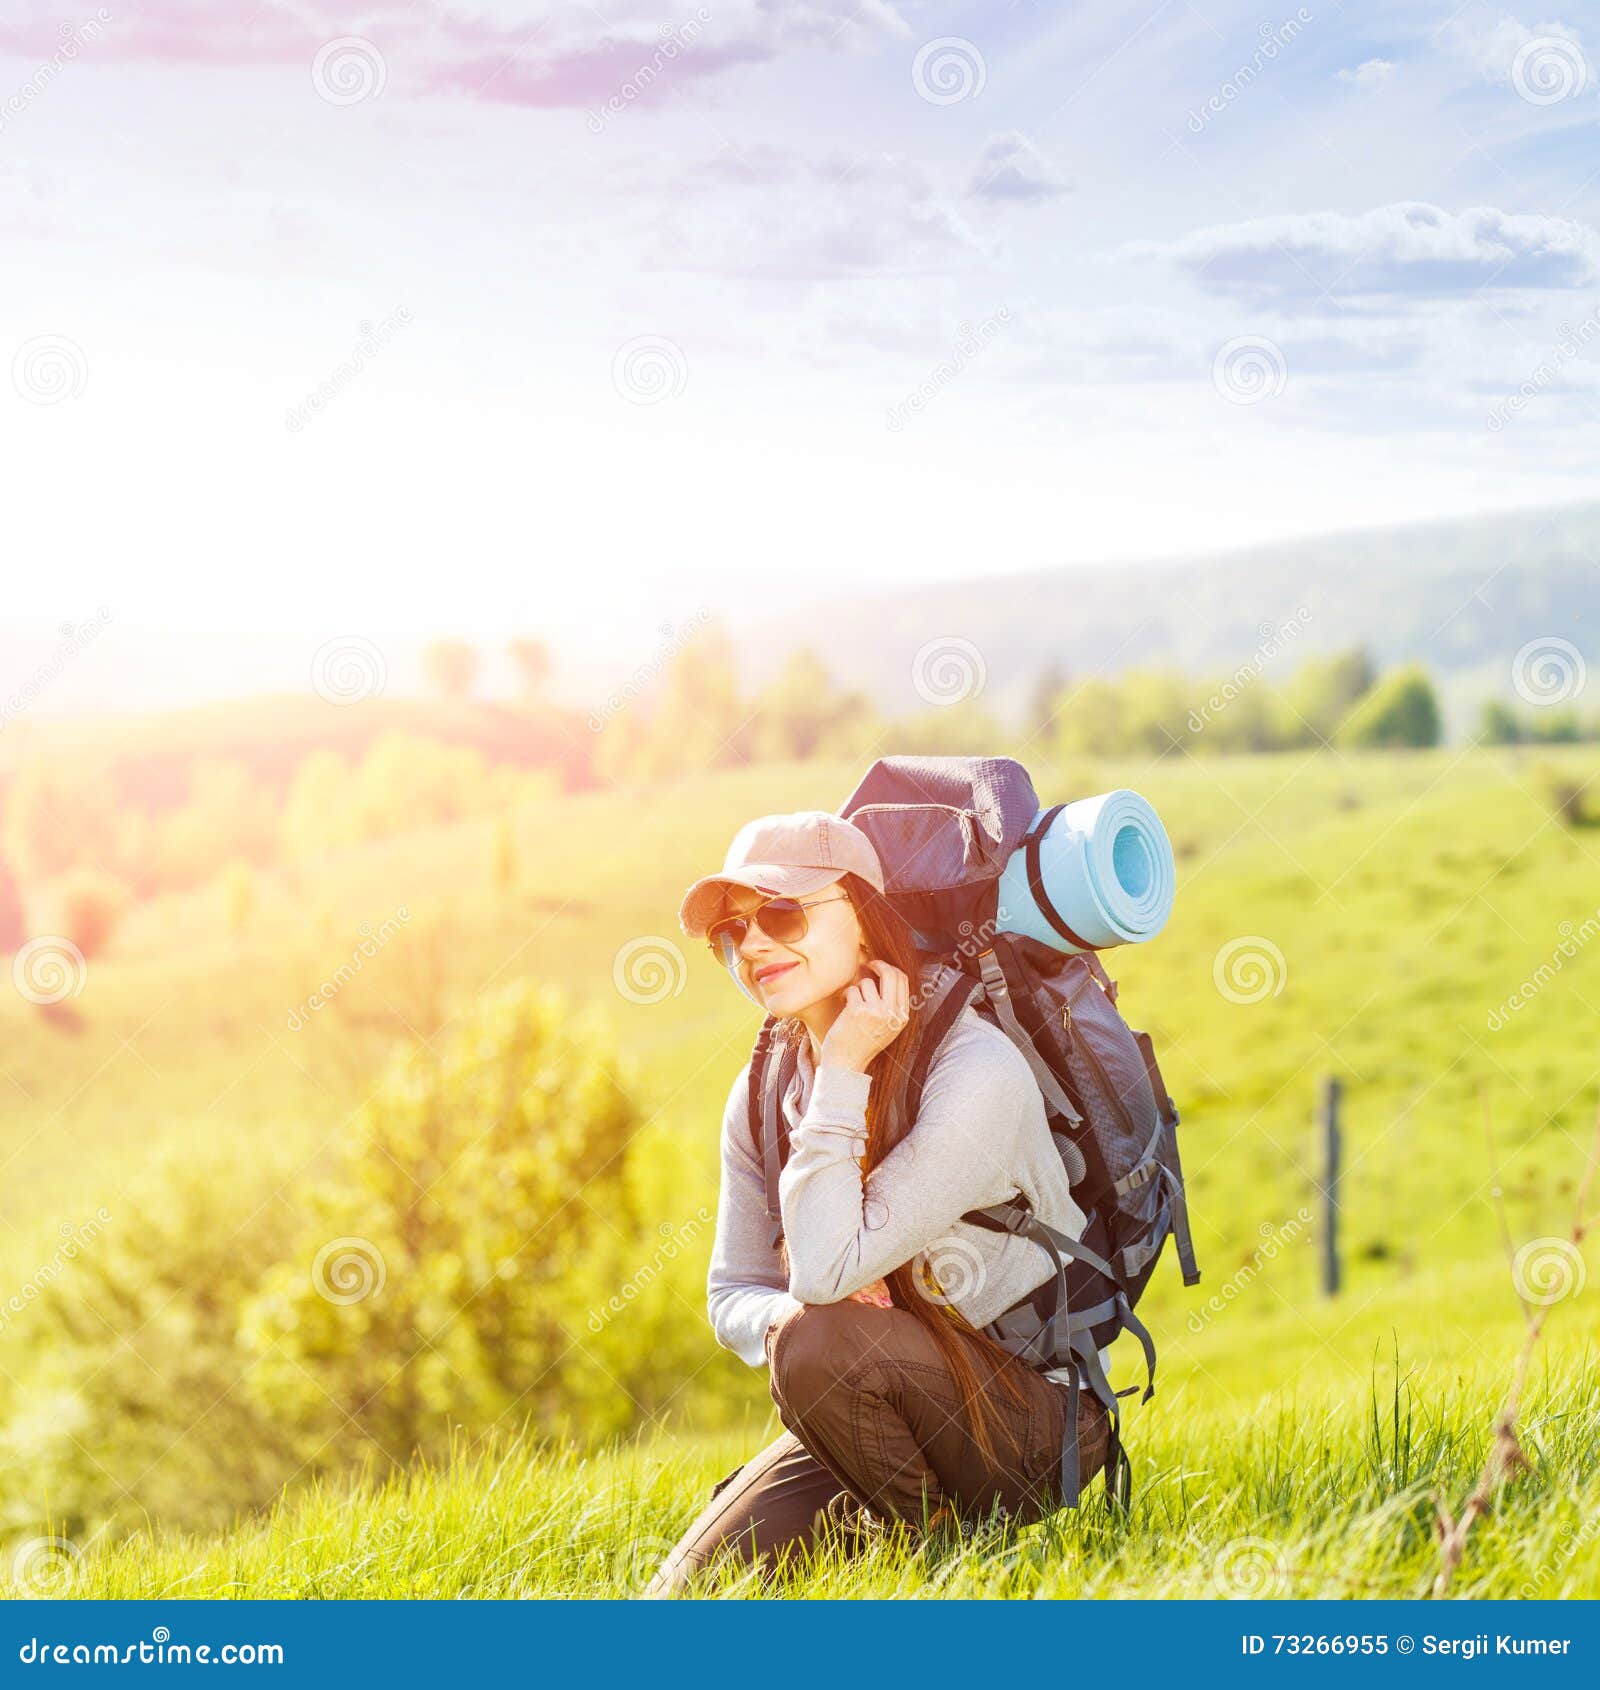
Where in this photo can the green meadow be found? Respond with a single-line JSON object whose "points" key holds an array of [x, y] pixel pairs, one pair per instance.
{"points": [[1420, 925]]}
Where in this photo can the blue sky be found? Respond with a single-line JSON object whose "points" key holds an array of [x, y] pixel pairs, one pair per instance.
{"points": [[594, 313]]}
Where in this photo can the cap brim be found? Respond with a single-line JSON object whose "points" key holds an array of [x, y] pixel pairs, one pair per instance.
{"points": [[702, 903]]}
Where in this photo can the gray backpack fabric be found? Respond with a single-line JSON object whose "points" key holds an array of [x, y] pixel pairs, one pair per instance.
{"points": [[944, 828]]}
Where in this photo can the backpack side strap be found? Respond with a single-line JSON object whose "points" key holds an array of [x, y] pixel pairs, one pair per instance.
{"points": [[1069, 1333], [1182, 1237], [1031, 842], [1119, 1470]]}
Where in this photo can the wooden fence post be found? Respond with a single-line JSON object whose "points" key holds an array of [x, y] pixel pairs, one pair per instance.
{"points": [[1328, 1182]]}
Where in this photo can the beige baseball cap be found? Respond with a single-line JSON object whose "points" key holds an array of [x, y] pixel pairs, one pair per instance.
{"points": [[788, 856]]}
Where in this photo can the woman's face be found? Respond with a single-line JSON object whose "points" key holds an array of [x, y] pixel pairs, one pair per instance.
{"points": [[789, 979]]}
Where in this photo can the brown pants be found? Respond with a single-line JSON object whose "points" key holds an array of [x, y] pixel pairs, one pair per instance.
{"points": [[875, 1417]]}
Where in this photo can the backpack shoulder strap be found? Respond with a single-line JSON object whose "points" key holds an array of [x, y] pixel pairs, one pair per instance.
{"points": [[760, 1060], [772, 1065], [997, 986], [952, 996]]}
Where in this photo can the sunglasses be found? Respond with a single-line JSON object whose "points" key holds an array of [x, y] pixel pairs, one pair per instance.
{"points": [[781, 919]]}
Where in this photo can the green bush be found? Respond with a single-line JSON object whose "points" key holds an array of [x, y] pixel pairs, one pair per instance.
{"points": [[484, 1253], [437, 1283], [402, 782], [138, 1341], [1498, 724], [1400, 711], [1564, 792], [803, 713], [1090, 718], [1322, 692]]}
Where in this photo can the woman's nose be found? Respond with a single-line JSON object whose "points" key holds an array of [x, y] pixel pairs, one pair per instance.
{"points": [[754, 944]]}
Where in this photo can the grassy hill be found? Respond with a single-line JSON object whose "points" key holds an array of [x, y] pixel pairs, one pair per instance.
{"points": [[1397, 906]]}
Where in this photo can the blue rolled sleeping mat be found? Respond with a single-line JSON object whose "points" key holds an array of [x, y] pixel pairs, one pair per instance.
{"points": [[1105, 868]]}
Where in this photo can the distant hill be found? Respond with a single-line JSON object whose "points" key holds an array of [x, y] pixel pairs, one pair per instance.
{"points": [[1462, 596]]}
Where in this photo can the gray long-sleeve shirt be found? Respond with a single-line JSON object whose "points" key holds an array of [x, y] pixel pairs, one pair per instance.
{"points": [[980, 1136]]}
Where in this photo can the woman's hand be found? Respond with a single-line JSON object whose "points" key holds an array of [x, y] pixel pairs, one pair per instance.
{"points": [[876, 1295], [875, 1012]]}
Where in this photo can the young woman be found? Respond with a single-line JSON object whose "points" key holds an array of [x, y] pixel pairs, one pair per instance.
{"points": [[897, 1406]]}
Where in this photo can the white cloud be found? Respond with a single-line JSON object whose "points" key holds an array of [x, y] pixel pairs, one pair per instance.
{"points": [[781, 217], [1403, 249], [539, 53], [1499, 50], [1010, 167], [1371, 75]]}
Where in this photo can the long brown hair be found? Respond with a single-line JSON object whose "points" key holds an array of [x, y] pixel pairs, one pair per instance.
{"points": [[976, 1362]]}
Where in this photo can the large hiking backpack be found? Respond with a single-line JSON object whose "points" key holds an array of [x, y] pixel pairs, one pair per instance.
{"points": [[944, 828]]}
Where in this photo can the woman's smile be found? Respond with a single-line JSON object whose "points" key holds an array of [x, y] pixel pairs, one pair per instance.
{"points": [[765, 975]]}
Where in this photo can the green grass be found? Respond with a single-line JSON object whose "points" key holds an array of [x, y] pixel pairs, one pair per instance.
{"points": [[1408, 896], [1299, 1497]]}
